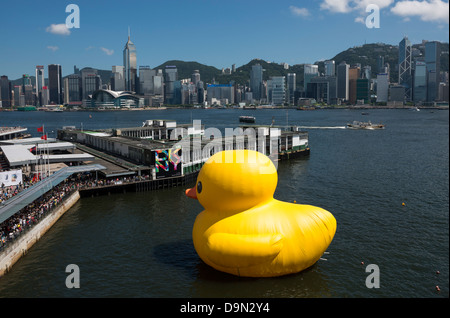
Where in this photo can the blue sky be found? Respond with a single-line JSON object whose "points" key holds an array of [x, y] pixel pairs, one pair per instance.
{"points": [[216, 33]]}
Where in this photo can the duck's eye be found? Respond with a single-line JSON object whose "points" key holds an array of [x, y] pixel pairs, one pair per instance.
{"points": [[199, 187]]}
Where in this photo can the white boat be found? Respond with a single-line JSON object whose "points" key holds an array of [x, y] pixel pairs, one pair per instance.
{"points": [[364, 125], [247, 119]]}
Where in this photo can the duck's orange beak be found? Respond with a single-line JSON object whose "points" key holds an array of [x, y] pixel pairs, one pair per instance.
{"points": [[192, 193]]}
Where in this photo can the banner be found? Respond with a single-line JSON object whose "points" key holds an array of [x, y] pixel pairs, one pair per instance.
{"points": [[168, 163], [10, 178]]}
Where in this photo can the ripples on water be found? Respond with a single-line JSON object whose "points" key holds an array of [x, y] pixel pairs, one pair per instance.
{"points": [[139, 244]]}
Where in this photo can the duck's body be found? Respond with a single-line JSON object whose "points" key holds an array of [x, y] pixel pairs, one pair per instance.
{"points": [[272, 239], [269, 238]]}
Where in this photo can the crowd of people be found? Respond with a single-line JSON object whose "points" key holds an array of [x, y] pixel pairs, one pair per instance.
{"points": [[34, 212], [7, 192]]}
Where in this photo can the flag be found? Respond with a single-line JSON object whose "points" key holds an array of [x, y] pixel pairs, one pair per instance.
{"points": [[44, 137], [41, 129]]}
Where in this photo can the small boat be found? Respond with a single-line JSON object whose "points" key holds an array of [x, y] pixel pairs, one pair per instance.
{"points": [[364, 125], [247, 119]]}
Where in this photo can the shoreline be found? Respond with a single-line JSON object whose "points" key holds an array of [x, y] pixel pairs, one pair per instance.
{"points": [[309, 108]]}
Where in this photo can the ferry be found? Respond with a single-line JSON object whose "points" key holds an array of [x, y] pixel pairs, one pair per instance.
{"points": [[364, 125], [247, 119]]}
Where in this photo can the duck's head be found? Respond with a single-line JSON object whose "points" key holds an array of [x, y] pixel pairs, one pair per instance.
{"points": [[233, 181]]}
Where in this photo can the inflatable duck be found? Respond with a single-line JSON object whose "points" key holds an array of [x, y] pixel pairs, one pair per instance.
{"points": [[243, 230]]}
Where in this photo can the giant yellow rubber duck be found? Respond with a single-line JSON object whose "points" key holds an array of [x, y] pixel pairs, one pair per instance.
{"points": [[243, 230]]}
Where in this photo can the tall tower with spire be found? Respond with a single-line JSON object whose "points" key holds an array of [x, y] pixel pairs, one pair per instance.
{"points": [[130, 65]]}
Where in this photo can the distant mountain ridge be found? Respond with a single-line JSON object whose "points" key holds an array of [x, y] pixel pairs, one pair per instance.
{"points": [[365, 55]]}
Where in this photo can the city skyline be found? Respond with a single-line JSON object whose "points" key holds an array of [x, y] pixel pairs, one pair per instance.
{"points": [[211, 33]]}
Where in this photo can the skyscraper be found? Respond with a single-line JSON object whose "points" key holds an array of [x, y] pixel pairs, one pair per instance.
{"points": [[382, 87], [74, 88], [353, 76], [432, 60], [39, 84], [278, 90], [256, 78], [5, 91], [330, 68], [342, 81], [169, 80], [309, 71], [146, 75], [420, 82], [404, 67], [130, 65], [118, 77], [291, 86], [55, 83], [90, 82]]}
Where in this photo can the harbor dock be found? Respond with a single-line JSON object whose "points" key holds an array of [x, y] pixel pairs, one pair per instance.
{"points": [[78, 163]]}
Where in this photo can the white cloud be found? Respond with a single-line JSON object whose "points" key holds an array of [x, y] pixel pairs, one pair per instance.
{"points": [[360, 20], [52, 48], [345, 6], [433, 10], [362, 4], [303, 12], [340, 6], [107, 51], [60, 29]]}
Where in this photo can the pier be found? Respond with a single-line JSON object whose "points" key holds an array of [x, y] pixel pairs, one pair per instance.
{"points": [[159, 155]]}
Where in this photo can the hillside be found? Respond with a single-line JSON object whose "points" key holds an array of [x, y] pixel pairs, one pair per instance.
{"points": [[365, 55]]}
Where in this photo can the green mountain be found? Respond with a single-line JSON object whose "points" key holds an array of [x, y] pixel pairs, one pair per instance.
{"points": [[365, 55], [185, 69]]}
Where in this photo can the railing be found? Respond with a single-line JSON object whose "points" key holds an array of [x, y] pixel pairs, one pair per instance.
{"points": [[8, 244]]}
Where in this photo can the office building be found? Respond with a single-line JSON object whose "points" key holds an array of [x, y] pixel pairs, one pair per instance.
{"points": [[118, 78], [330, 68], [420, 82], [130, 66], [74, 88], [195, 77], [55, 84], [171, 76], [220, 94], [146, 75], [323, 89], [291, 87], [256, 81], [432, 60], [397, 94], [382, 88], [405, 67], [19, 98], [353, 76], [362, 90], [277, 90], [5, 92], [90, 82], [342, 81], [309, 71], [380, 65], [158, 83], [40, 82]]}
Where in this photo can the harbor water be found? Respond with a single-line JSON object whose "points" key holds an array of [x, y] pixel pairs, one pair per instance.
{"points": [[388, 190]]}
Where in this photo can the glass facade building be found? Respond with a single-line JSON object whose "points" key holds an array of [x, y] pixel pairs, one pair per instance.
{"points": [[432, 60], [256, 78], [278, 90], [420, 82], [130, 65], [405, 67], [55, 84]]}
